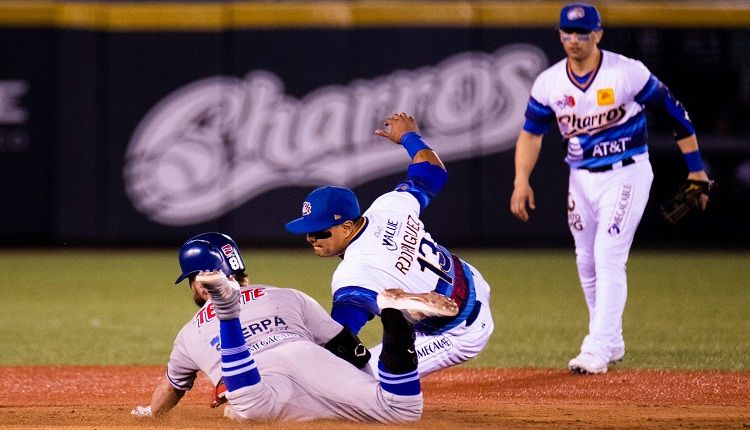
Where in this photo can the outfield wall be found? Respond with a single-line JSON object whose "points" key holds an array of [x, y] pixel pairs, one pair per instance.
{"points": [[144, 123]]}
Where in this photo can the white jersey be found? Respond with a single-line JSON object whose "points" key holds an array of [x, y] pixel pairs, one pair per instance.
{"points": [[395, 251], [602, 123], [269, 317]]}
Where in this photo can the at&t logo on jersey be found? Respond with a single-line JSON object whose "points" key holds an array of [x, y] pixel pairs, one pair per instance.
{"points": [[602, 149]]}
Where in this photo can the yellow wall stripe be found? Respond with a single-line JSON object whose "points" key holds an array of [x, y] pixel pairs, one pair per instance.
{"points": [[179, 16]]}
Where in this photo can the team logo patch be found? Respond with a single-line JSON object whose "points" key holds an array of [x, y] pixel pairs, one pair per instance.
{"points": [[575, 152], [622, 208], [605, 97], [227, 250], [576, 13], [566, 101], [306, 208]]}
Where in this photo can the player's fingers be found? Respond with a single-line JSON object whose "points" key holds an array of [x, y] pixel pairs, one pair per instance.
{"points": [[518, 207], [532, 204]]}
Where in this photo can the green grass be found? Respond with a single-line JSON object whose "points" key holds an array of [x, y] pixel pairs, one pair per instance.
{"points": [[685, 310]]}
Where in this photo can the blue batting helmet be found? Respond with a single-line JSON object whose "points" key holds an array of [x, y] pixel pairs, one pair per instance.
{"points": [[209, 251]]}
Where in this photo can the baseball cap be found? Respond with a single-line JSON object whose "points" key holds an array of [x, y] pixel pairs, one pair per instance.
{"points": [[580, 16], [324, 208]]}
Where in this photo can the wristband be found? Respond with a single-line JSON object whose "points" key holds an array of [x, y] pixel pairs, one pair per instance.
{"points": [[413, 143], [694, 161]]}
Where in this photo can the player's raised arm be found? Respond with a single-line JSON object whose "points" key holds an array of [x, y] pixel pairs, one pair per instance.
{"points": [[402, 129], [426, 175]]}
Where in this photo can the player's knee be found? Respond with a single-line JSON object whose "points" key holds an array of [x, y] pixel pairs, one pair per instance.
{"points": [[251, 403], [410, 412]]}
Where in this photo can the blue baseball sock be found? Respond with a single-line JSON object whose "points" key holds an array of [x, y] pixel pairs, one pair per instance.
{"points": [[237, 365], [404, 384]]}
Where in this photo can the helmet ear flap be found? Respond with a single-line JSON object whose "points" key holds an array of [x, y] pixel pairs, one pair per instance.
{"points": [[199, 255]]}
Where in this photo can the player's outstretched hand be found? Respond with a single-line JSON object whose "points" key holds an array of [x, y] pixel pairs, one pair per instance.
{"points": [[142, 412], [399, 124], [522, 194]]}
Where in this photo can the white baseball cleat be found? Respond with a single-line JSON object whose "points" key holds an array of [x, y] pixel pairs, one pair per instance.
{"points": [[587, 363], [617, 355], [224, 296], [417, 306]]}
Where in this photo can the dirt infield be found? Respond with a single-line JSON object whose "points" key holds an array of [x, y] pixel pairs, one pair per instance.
{"points": [[78, 397]]}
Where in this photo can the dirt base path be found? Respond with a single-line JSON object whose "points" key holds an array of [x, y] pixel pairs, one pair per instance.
{"points": [[90, 397]]}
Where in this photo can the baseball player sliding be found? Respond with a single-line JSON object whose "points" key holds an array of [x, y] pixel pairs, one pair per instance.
{"points": [[388, 246], [279, 354], [598, 99]]}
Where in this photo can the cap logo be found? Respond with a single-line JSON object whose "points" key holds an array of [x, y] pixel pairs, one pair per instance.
{"points": [[576, 13], [306, 208], [336, 217]]}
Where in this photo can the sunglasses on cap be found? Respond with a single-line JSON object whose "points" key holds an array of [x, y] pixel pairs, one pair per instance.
{"points": [[320, 235]]}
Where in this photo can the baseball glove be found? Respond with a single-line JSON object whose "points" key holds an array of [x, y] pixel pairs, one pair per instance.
{"points": [[687, 199]]}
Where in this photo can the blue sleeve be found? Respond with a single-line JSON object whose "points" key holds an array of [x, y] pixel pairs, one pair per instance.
{"points": [[538, 117], [354, 306], [656, 96], [424, 181]]}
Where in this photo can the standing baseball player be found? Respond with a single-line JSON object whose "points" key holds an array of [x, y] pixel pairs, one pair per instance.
{"points": [[388, 247], [275, 349], [598, 99]]}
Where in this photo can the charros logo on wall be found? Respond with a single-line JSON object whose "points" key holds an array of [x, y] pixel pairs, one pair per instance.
{"points": [[217, 143], [14, 136]]}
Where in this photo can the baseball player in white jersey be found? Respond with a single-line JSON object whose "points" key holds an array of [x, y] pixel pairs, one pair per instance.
{"points": [[278, 354], [388, 247], [598, 99]]}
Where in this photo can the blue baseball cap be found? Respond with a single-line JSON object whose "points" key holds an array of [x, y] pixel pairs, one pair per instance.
{"points": [[324, 208], [580, 16]]}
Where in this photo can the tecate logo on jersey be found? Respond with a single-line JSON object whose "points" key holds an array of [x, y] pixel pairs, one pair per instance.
{"points": [[176, 170]]}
